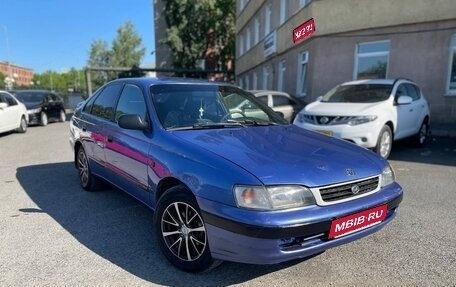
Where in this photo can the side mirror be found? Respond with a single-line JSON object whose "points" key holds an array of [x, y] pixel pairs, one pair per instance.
{"points": [[319, 98], [3, 106], [404, 100], [132, 122]]}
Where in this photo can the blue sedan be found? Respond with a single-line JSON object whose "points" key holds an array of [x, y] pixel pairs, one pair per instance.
{"points": [[227, 177]]}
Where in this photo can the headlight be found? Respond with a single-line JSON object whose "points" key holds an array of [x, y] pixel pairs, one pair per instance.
{"points": [[272, 197], [361, 120], [34, 111], [388, 176]]}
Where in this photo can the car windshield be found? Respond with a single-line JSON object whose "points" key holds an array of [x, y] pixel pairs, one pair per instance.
{"points": [[196, 106], [361, 93], [30, 97]]}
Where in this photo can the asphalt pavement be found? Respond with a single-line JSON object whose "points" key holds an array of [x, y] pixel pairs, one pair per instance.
{"points": [[52, 233]]}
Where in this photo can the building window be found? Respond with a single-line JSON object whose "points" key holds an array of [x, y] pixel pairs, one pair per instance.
{"points": [[241, 44], [265, 77], [267, 20], [281, 75], [247, 83], [247, 40], [283, 11], [452, 72], [255, 81], [257, 31], [303, 60], [372, 60], [240, 83], [303, 3]]}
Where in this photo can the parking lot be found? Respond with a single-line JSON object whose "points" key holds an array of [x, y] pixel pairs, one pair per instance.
{"points": [[52, 233]]}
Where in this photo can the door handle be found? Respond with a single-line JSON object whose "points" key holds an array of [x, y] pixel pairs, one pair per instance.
{"points": [[84, 129], [109, 138], [411, 110]]}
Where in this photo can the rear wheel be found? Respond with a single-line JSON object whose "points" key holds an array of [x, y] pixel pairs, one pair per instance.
{"points": [[44, 119], [384, 142], [88, 181], [181, 231], [23, 125]]}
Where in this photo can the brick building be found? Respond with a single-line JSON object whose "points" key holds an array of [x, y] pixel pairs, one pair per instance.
{"points": [[22, 76]]}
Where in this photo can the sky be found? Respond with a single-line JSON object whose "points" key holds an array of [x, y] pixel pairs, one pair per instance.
{"points": [[56, 34]]}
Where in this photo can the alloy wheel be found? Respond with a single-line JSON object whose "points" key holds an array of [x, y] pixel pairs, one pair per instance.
{"points": [[183, 231], [385, 144], [83, 168]]}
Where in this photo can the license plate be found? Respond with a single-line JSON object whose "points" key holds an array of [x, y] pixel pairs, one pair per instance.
{"points": [[355, 222], [328, 133]]}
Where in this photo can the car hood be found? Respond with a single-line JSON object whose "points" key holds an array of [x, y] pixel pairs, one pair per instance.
{"points": [[287, 154], [32, 105], [340, 109]]}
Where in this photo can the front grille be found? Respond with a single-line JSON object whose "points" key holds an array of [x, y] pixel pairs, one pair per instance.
{"points": [[326, 120], [343, 191]]}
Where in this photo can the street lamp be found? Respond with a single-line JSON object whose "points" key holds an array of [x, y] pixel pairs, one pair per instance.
{"points": [[9, 83]]}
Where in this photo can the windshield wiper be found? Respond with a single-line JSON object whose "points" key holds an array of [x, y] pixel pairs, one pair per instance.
{"points": [[249, 122], [217, 125]]}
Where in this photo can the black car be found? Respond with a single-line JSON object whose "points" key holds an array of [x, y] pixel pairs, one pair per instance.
{"points": [[42, 106]]}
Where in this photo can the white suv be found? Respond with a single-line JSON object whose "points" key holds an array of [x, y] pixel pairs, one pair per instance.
{"points": [[370, 113]]}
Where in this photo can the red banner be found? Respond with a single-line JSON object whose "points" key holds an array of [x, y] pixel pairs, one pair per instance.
{"points": [[304, 30]]}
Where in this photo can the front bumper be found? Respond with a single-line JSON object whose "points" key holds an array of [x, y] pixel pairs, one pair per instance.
{"points": [[273, 237], [364, 135], [34, 118]]}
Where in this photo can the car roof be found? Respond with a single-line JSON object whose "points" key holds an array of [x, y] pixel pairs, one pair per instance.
{"points": [[267, 92], [33, 91], [376, 81], [146, 81]]}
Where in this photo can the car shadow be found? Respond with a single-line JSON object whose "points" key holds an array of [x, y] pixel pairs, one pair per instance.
{"points": [[437, 150], [118, 228]]}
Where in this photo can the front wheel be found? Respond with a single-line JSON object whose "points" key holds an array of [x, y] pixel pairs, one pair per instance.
{"points": [[22, 126], [422, 135], [62, 116], [181, 231], [44, 119], [384, 142]]}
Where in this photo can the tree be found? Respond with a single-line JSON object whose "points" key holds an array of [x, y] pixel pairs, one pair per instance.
{"points": [[200, 29], [2, 81], [127, 49], [127, 52]]}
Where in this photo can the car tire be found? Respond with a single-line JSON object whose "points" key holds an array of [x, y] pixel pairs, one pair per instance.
{"points": [[384, 142], [62, 116], [174, 233], [43, 119], [422, 135], [22, 126], [88, 181]]}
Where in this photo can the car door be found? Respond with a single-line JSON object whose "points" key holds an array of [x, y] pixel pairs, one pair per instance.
{"points": [[97, 112], [127, 150], [407, 114], [8, 115], [283, 104]]}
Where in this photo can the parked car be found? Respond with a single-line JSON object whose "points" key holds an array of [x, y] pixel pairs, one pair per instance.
{"points": [[13, 114], [370, 113], [42, 106], [281, 102], [228, 184]]}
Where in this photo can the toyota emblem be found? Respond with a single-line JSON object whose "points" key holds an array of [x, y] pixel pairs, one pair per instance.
{"points": [[355, 189]]}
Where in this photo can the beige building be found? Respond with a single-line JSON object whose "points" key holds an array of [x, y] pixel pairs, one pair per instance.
{"points": [[22, 76], [354, 39]]}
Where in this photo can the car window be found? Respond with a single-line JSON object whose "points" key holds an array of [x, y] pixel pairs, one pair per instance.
{"points": [[280, 100], [412, 91], [104, 104], [5, 98], [188, 106], [359, 93], [401, 91], [131, 101], [264, 99], [30, 96]]}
